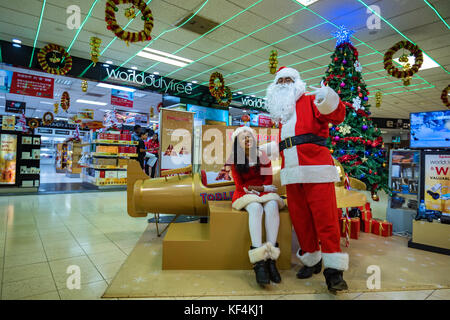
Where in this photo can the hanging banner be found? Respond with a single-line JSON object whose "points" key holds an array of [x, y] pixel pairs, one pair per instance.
{"points": [[8, 122], [32, 85], [176, 136], [86, 114], [217, 147], [437, 182], [122, 98], [8, 156]]}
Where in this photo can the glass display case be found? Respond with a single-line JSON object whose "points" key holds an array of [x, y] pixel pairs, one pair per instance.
{"points": [[404, 180]]}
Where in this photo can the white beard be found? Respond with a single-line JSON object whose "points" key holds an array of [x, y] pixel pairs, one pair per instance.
{"points": [[282, 98]]}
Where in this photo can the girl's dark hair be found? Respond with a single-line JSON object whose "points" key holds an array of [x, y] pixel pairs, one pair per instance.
{"points": [[237, 150]]}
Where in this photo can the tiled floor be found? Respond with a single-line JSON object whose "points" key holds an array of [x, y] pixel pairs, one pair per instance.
{"points": [[42, 235]]}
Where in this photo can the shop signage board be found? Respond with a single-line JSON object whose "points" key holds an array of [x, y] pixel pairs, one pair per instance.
{"points": [[122, 98], [15, 106], [176, 134], [8, 158], [32, 85], [252, 102]]}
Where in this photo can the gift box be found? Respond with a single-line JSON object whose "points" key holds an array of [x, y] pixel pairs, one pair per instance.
{"points": [[382, 228], [353, 228], [366, 225]]}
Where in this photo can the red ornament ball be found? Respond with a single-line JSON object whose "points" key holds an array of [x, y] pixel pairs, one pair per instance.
{"points": [[370, 171], [335, 58], [360, 95]]}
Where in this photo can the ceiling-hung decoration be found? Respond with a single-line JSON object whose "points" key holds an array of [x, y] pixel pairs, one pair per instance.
{"points": [[378, 99], [65, 101], [84, 85], [444, 96], [273, 61], [147, 17], [47, 118], [95, 49], [33, 123], [407, 71], [216, 84], [226, 98], [54, 59], [55, 107]]}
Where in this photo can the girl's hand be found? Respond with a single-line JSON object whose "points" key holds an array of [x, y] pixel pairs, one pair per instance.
{"points": [[251, 191], [270, 188]]}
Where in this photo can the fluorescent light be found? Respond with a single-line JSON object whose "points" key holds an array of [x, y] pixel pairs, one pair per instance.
{"points": [[111, 86], [106, 65], [240, 92], [109, 62], [16, 41], [156, 72], [306, 2], [16, 45], [129, 70], [45, 102], [155, 57], [2, 97], [168, 55], [252, 96], [428, 63], [194, 81], [134, 68], [91, 102]]}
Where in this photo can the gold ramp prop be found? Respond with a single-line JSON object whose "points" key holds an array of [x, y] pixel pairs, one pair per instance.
{"points": [[221, 244]]}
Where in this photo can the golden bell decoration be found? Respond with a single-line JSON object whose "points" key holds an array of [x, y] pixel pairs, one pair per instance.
{"points": [[273, 61], [342, 68], [130, 13], [84, 85], [384, 164], [378, 99], [403, 58], [55, 108], [95, 49], [331, 150], [152, 112], [375, 197], [406, 66]]}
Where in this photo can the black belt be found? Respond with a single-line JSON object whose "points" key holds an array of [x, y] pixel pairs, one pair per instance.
{"points": [[302, 139]]}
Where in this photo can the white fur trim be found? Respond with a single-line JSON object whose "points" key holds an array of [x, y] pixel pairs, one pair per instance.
{"points": [[244, 129], [310, 259], [271, 149], [330, 103], [243, 201], [287, 72], [258, 254], [309, 174], [337, 260], [274, 252]]}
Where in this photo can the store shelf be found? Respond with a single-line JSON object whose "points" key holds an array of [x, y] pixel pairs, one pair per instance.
{"points": [[107, 154], [100, 167], [105, 181], [115, 142]]}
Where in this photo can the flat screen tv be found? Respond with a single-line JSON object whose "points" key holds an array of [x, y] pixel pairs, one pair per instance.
{"points": [[430, 129]]}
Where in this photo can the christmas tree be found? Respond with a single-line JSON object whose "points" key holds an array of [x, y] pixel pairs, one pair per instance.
{"points": [[356, 143]]}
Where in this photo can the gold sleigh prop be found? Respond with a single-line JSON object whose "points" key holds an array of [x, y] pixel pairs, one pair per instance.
{"points": [[178, 193]]}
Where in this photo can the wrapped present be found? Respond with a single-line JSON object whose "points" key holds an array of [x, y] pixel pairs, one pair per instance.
{"points": [[366, 225], [382, 228], [353, 227], [366, 215]]}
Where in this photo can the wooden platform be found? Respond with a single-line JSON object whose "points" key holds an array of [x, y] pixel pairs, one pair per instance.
{"points": [[221, 244]]}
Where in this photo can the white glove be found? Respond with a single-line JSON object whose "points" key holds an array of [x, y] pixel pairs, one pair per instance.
{"points": [[320, 93], [270, 188], [251, 191]]}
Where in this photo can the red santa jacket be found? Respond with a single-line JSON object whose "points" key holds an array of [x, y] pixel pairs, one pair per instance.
{"points": [[310, 163], [255, 176]]}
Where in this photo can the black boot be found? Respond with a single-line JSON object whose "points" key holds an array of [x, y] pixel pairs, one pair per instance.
{"points": [[262, 273], [307, 272], [334, 279], [273, 271]]}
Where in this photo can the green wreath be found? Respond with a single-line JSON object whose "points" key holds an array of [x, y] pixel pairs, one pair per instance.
{"points": [[216, 85], [147, 17], [226, 98]]}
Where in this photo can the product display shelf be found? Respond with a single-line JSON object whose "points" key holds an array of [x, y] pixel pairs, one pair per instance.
{"points": [[29, 162], [73, 156], [114, 142], [108, 154], [61, 157]]}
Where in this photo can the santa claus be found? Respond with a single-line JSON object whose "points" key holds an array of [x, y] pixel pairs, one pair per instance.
{"points": [[308, 171]]}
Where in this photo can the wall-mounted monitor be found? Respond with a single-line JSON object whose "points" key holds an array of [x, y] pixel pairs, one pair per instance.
{"points": [[430, 129]]}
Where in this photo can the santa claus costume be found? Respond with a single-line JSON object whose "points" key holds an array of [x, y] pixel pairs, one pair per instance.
{"points": [[252, 175], [308, 171]]}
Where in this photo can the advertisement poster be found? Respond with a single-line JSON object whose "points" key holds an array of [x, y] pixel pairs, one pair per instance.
{"points": [[86, 114], [213, 166], [15, 106], [204, 114], [8, 152], [437, 182], [122, 98], [5, 80], [32, 85], [8, 122], [176, 136]]}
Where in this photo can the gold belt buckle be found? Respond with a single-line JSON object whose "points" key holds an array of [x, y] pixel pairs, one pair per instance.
{"points": [[288, 143]]}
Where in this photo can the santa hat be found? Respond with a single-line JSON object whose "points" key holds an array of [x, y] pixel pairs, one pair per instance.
{"points": [[284, 72], [240, 130]]}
